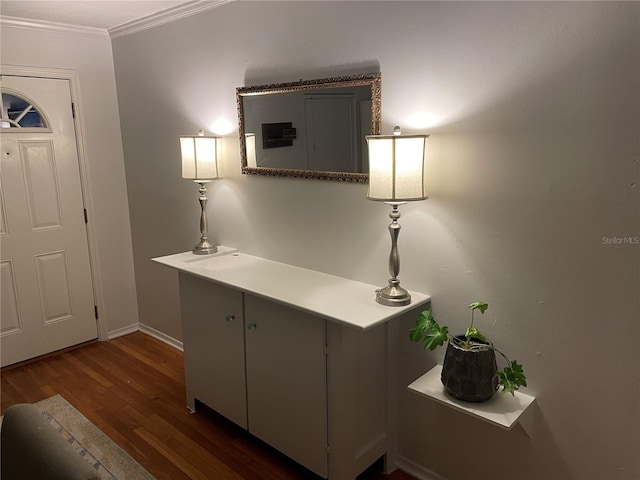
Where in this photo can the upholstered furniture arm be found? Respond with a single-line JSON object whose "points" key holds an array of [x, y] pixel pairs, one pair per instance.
{"points": [[32, 449]]}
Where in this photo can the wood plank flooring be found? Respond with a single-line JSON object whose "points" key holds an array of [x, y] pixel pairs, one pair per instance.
{"points": [[132, 388]]}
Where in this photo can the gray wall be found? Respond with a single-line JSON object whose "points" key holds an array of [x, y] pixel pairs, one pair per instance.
{"points": [[532, 165]]}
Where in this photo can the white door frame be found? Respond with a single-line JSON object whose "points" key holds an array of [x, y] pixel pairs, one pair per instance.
{"points": [[74, 85]]}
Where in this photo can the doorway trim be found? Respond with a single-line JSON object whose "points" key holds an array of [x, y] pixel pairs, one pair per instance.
{"points": [[83, 165]]}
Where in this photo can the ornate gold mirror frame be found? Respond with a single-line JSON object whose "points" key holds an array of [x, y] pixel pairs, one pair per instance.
{"points": [[284, 134]]}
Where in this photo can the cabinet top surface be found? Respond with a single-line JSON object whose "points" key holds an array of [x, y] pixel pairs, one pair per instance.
{"points": [[337, 299]]}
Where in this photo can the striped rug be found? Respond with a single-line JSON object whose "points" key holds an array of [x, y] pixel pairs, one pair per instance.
{"points": [[111, 462]]}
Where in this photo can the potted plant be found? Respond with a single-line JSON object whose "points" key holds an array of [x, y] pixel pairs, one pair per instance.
{"points": [[469, 370]]}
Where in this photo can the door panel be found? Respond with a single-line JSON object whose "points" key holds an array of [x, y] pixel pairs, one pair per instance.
{"points": [[54, 286], [10, 311], [40, 184], [47, 291], [286, 381], [213, 338]]}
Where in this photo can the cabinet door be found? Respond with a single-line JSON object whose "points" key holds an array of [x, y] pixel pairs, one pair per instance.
{"points": [[286, 381], [213, 337]]}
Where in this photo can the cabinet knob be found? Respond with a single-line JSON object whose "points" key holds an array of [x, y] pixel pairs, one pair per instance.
{"points": [[251, 326], [230, 318]]}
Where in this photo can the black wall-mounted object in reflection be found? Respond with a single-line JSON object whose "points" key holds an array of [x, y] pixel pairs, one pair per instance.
{"points": [[278, 135]]}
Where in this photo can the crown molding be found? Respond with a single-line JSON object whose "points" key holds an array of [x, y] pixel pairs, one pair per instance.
{"points": [[144, 23], [43, 25], [166, 16]]}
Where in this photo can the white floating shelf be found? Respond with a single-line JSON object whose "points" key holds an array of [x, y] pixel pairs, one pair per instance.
{"points": [[502, 410]]}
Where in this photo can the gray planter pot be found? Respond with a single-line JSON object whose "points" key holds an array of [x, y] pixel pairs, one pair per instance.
{"points": [[469, 375]]}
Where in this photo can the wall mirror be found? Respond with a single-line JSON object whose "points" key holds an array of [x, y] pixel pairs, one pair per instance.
{"points": [[310, 129]]}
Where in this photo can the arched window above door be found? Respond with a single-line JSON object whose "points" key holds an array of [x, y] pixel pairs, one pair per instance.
{"points": [[18, 112]]}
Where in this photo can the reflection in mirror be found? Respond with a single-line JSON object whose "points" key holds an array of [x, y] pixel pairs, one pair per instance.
{"points": [[310, 129]]}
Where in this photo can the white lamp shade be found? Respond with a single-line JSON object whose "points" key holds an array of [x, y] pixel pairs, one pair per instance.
{"points": [[199, 157], [396, 167]]}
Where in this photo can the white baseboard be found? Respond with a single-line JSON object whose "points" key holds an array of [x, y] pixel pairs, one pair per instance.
{"points": [[163, 337], [416, 470], [177, 344], [122, 331]]}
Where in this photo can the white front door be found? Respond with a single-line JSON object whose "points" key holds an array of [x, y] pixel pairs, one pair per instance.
{"points": [[45, 278]]}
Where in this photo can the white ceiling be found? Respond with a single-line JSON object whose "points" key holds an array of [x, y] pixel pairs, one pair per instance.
{"points": [[87, 13]]}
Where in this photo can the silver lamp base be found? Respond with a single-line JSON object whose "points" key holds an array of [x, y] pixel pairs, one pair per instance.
{"points": [[204, 248], [393, 295]]}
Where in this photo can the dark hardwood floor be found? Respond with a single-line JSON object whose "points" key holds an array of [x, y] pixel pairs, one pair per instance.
{"points": [[132, 388]]}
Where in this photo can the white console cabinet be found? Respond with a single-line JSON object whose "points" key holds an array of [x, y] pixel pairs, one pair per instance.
{"points": [[298, 358]]}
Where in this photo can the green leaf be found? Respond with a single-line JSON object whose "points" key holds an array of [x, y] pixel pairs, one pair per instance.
{"points": [[473, 332], [512, 377], [436, 337], [422, 325], [429, 331], [482, 306], [415, 334], [427, 317]]}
